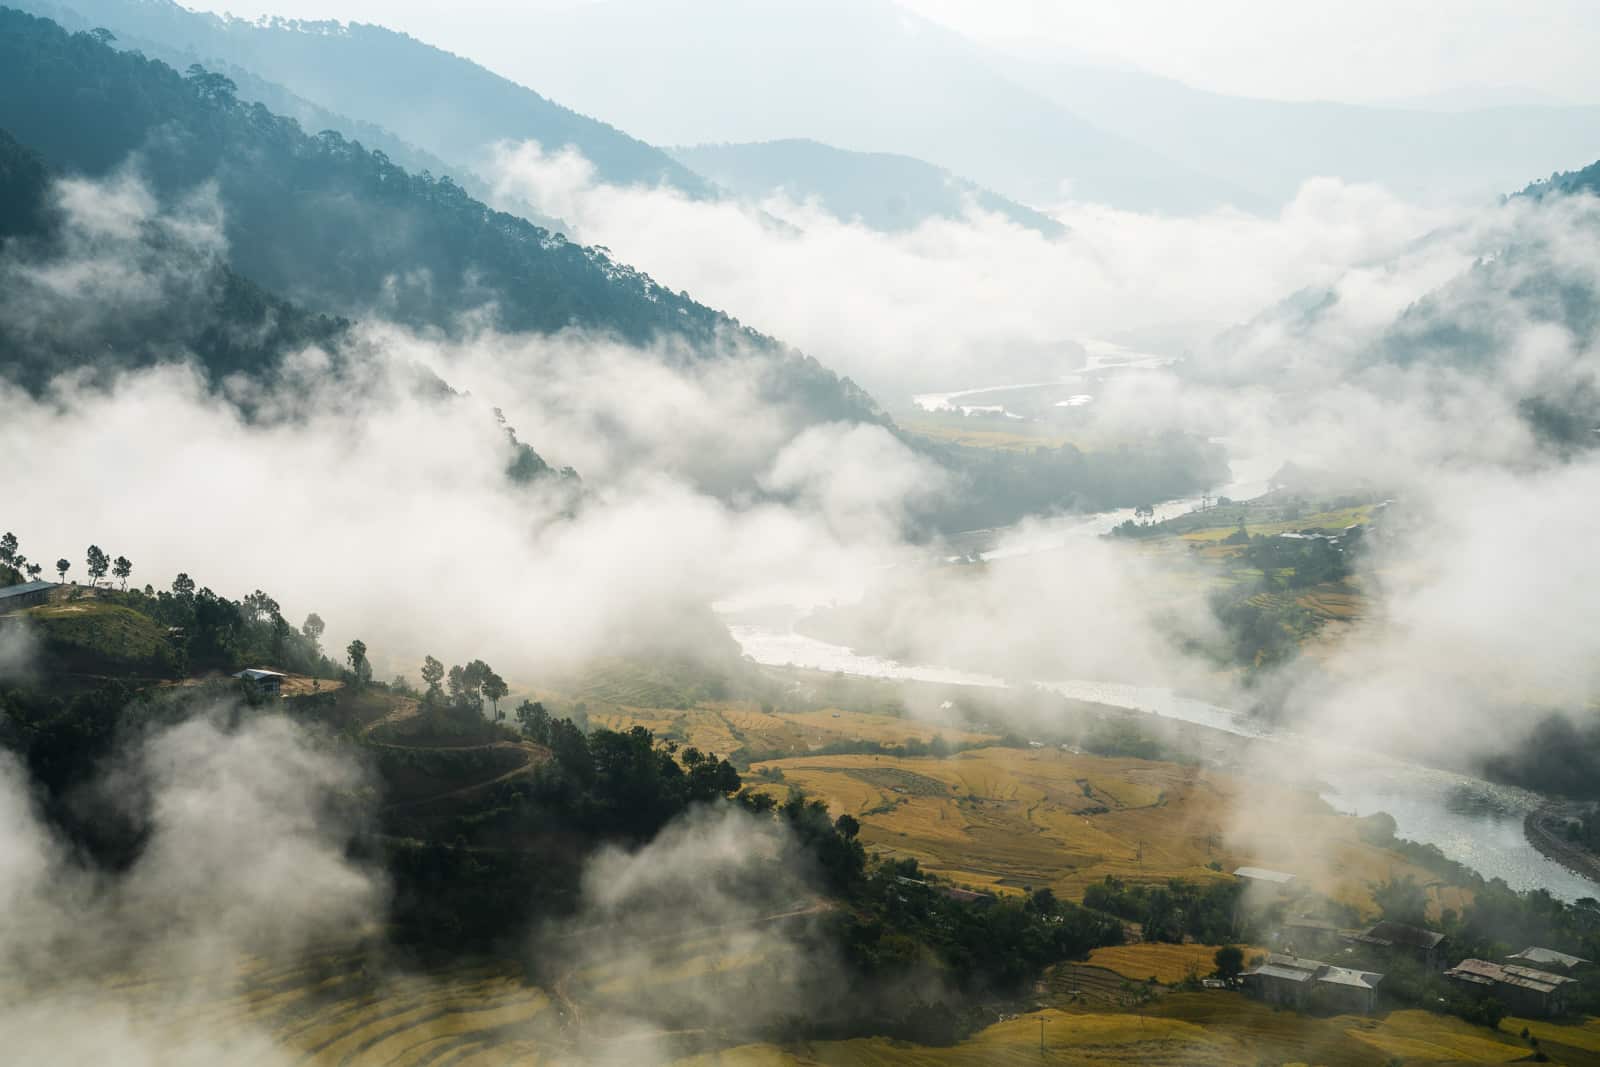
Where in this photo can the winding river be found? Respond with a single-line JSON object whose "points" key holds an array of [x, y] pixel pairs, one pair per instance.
{"points": [[1472, 821]]}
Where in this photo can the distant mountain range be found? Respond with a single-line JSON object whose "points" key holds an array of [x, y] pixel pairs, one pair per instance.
{"points": [[862, 75], [869, 76], [393, 86], [883, 191], [1270, 147]]}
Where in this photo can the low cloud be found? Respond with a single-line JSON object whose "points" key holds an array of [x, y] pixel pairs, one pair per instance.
{"points": [[709, 927], [244, 860], [975, 301]]}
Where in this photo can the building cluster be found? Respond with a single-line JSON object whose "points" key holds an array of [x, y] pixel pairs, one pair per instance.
{"points": [[1301, 983], [1536, 982], [1536, 991]]}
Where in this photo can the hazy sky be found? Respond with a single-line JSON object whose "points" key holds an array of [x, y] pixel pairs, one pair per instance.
{"points": [[1355, 50]]}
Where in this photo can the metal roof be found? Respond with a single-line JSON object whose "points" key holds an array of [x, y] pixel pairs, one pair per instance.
{"points": [[258, 674], [1296, 969], [1550, 957], [1346, 976], [1480, 972], [25, 588], [1262, 874], [1389, 933]]}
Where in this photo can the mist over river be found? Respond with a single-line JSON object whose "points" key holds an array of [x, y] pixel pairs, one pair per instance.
{"points": [[1472, 821]]}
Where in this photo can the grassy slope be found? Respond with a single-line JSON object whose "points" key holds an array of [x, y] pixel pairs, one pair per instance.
{"points": [[92, 636]]}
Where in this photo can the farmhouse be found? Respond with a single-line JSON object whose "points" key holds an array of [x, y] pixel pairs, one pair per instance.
{"points": [[1302, 983], [1304, 932], [1548, 959], [264, 682], [1263, 876], [1425, 946], [1523, 990], [26, 595]]}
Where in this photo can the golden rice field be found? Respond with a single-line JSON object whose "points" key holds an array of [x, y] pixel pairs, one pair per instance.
{"points": [[1198, 1029], [332, 1012], [962, 431], [1007, 818], [1167, 964], [727, 727], [1322, 520]]}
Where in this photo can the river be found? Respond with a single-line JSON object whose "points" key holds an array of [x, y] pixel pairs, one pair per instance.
{"points": [[1472, 821]]}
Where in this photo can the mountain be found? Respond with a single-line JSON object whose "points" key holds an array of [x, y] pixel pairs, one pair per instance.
{"points": [[862, 75], [1586, 180], [187, 302], [1471, 302], [1271, 147], [883, 191], [446, 105], [340, 230]]}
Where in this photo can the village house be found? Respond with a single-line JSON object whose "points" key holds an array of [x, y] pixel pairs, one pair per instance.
{"points": [[1303, 984], [1548, 959], [1424, 946], [26, 595], [1263, 876], [264, 682], [1521, 990], [1306, 934]]}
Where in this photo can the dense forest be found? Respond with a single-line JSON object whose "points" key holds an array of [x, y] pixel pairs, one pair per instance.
{"points": [[342, 230], [197, 307]]}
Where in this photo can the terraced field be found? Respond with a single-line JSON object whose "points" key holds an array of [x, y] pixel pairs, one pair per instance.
{"points": [[1005, 818], [1168, 964], [331, 1010], [730, 727]]}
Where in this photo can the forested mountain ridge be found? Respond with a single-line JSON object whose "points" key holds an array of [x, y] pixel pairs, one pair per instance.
{"points": [[201, 308], [1586, 180], [281, 100], [342, 230], [445, 104], [881, 190]]}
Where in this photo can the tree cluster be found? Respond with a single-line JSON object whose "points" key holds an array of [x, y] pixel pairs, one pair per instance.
{"points": [[1171, 911], [469, 685]]}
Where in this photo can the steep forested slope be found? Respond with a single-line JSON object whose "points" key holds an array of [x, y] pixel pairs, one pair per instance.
{"points": [[1586, 180], [186, 302], [447, 105], [884, 191], [340, 229]]}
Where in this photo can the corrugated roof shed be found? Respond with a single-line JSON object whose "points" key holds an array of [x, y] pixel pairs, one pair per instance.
{"points": [[1262, 874], [1483, 972], [1288, 968], [1388, 934], [1549, 957], [25, 589], [1346, 976], [257, 674]]}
